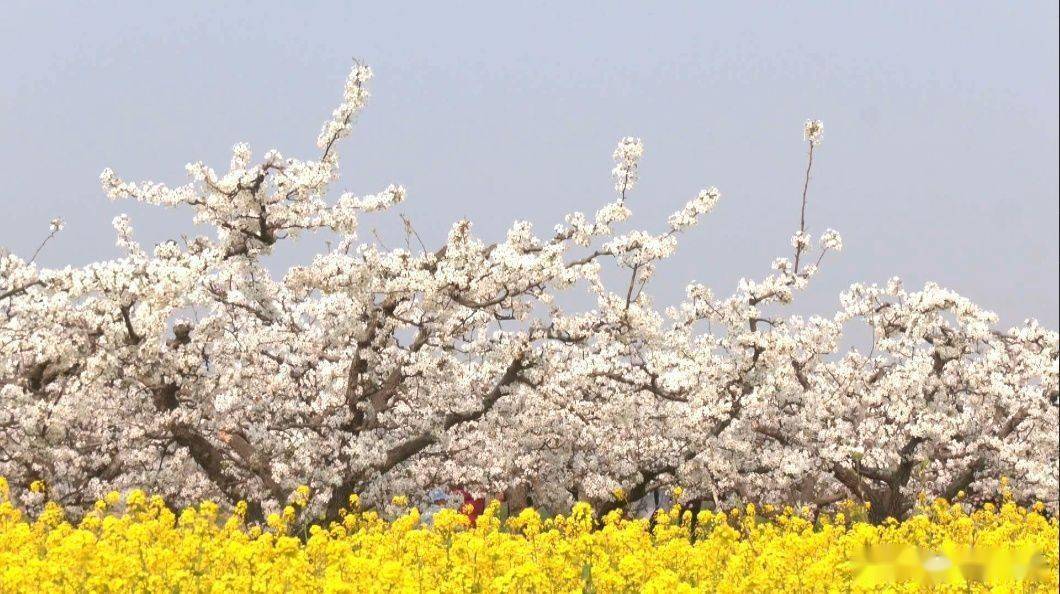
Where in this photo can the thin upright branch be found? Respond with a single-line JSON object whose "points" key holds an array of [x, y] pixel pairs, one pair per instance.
{"points": [[802, 212]]}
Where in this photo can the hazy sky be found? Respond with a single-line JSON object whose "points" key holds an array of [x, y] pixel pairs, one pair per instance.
{"points": [[939, 158]]}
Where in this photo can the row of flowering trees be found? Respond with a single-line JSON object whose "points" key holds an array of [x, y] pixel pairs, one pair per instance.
{"points": [[194, 370]]}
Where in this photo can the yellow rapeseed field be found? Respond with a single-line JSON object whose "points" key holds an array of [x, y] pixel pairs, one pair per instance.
{"points": [[134, 543]]}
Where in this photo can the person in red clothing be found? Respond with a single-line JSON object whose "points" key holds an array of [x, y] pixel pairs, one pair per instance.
{"points": [[472, 506]]}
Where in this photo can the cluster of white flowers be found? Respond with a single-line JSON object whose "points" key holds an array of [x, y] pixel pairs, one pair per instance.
{"points": [[354, 99], [831, 240], [812, 131], [627, 156], [801, 241], [700, 205], [193, 370]]}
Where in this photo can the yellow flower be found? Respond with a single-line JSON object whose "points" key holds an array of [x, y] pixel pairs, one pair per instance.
{"points": [[274, 521], [145, 547], [300, 497]]}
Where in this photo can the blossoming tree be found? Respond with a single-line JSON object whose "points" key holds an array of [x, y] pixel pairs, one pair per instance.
{"points": [[194, 370]]}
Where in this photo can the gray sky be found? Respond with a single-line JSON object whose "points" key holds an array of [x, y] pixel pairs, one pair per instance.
{"points": [[939, 159]]}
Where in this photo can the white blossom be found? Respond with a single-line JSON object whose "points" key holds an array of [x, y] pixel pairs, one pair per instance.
{"points": [[689, 215], [627, 156], [812, 131], [801, 241], [196, 371], [831, 240]]}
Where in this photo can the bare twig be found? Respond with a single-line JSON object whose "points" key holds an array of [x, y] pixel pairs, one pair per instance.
{"points": [[802, 213]]}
